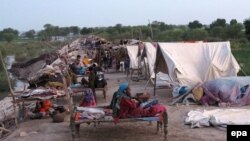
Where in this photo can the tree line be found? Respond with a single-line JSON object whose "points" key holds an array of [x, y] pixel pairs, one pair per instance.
{"points": [[218, 30]]}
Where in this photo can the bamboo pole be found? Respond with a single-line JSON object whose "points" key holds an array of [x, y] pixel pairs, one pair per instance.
{"points": [[10, 87]]}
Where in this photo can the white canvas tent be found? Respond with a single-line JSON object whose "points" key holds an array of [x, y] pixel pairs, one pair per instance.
{"points": [[190, 63], [162, 79], [151, 56], [132, 53]]}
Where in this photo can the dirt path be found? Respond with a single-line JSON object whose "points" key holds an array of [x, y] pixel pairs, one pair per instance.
{"points": [[45, 130]]}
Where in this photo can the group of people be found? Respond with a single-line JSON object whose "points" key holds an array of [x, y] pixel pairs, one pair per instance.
{"points": [[123, 104], [79, 65]]}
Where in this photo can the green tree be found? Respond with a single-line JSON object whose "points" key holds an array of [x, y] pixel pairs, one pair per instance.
{"points": [[247, 28], [9, 34], [218, 22], [49, 31], [1, 36], [30, 34], [118, 27], [75, 30], [170, 35], [9, 37], [233, 22], [234, 31], [195, 24], [196, 34], [218, 32], [63, 31], [42, 35]]}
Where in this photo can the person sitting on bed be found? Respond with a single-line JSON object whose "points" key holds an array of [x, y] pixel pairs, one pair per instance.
{"points": [[125, 106]]}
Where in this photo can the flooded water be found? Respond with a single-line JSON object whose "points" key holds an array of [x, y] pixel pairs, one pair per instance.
{"points": [[18, 84]]}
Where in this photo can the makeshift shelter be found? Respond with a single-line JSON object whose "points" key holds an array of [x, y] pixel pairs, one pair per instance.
{"points": [[190, 63], [151, 57], [162, 80], [138, 60], [132, 53], [28, 69]]}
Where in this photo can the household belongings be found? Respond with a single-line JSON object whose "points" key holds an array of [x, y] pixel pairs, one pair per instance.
{"points": [[89, 113], [57, 113], [42, 93], [232, 91]]}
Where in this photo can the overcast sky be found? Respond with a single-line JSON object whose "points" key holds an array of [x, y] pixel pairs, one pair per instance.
{"points": [[33, 14]]}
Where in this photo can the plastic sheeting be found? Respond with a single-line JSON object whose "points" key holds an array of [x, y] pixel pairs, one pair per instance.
{"points": [[191, 63], [218, 117], [227, 90]]}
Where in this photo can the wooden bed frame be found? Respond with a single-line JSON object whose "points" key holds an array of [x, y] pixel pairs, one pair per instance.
{"points": [[162, 121]]}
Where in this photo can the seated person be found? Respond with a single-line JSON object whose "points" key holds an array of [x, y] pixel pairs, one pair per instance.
{"points": [[88, 100], [77, 65], [91, 80], [41, 110], [100, 81], [86, 61], [124, 106]]}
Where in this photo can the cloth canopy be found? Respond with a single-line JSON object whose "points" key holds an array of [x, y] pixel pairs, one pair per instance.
{"points": [[192, 63], [132, 53]]}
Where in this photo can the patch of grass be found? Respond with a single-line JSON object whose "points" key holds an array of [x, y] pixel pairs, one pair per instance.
{"points": [[241, 51], [4, 88], [27, 50], [243, 58], [24, 51]]}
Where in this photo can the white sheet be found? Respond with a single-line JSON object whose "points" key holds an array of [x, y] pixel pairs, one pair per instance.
{"points": [[218, 117]]}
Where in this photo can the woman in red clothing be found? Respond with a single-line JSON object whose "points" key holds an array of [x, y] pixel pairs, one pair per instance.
{"points": [[124, 106]]}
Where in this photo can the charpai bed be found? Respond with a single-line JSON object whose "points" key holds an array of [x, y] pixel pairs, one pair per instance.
{"points": [[106, 117]]}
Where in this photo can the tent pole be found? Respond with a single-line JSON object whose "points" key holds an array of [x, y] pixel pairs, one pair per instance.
{"points": [[10, 87], [155, 83], [155, 69]]}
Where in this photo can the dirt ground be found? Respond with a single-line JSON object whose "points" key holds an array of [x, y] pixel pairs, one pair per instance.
{"points": [[45, 130]]}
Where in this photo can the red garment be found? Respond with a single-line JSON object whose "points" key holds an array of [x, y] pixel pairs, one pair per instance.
{"points": [[46, 104], [90, 103], [158, 108], [128, 109]]}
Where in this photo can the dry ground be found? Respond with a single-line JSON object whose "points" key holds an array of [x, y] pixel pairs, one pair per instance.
{"points": [[45, 130]]}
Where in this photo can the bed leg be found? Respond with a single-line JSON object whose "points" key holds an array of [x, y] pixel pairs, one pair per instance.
{"points": [[165, 125], [73, 132], [158, 127], [72, 128], [77, 128]]}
